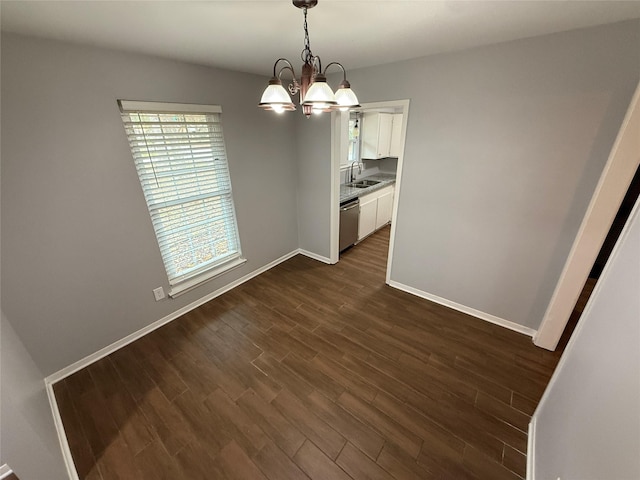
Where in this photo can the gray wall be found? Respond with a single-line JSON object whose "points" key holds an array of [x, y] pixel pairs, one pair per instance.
{"points": [[313, 141], [504, 147], [78, 250], [587, 424], [29, 441]]}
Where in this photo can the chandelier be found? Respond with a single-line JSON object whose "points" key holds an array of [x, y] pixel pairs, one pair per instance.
{"points": [[315, 94]]}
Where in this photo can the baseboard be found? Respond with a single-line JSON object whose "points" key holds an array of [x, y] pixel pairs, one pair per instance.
{"points": [[109, 349], [464, 309], [62, 435], [530, 451], [5, 471], [315, 256]]}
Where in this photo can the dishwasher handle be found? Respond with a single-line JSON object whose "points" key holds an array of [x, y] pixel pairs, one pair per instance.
{"points": [[349, 207]]}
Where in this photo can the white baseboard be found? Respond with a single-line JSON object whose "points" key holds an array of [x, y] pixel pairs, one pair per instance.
{"points": [[464, 309], [530, 451], [315, 256], [5, 471], [62, 435], [109, 349]]}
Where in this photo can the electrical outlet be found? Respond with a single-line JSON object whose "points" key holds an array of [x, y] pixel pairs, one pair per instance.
{"points": [[158, 293]]}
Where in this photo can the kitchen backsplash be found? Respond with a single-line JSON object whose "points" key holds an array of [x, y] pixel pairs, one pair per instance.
{"points": [[371, 167]]}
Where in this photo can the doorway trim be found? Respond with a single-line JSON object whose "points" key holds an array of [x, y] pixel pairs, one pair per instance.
{"points": [[613, 184], [338, 148]]}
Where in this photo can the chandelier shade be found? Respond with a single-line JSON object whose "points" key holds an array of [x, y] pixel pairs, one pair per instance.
{"points": [[315, 95], [345, 97], [276, 98], [319, 94]]}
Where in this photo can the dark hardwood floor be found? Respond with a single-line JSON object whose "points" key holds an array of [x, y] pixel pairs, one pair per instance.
{"points": [[310, 371]]}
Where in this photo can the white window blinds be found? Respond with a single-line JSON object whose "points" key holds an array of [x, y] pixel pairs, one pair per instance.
{"points": [[180, 157]]}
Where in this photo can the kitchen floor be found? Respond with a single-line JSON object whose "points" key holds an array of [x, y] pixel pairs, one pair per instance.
{"points": [[311, 371]]}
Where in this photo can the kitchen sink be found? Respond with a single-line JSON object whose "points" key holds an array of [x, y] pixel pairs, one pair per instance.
{"points": [[364, 183]]}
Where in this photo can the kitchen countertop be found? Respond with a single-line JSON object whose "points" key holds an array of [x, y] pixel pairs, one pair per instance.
{"points": [[349, 193]]}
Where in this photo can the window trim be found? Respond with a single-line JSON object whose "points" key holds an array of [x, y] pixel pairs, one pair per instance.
{"points": [[179, 287], [131, 106], [192, 282]]}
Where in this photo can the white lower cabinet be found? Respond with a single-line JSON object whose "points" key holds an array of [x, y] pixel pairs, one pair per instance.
{"points": [[375, 211], [385, 206], [367, 220]]}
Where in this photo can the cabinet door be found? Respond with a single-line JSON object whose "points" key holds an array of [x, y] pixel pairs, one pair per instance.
{"points": [[376, 135], [367, 220], [384, 135], [369, 135], [396, 133], [385, 207]]}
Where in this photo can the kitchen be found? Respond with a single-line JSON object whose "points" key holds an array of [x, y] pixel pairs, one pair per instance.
{"points": [[368, 170]]}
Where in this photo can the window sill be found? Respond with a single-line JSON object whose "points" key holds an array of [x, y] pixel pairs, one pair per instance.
{"points": [[190, 284]]}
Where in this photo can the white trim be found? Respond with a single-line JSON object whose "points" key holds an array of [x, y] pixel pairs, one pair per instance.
{"points": [[516, 327], [62, 435], [109, 349], [137, 106], [5, 471], [615, 179], [566, 355], [531, 465], [396, 192], [193, 282], [315, 256], [338, 149]]}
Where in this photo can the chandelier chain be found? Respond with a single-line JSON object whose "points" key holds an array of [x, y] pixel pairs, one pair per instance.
{"points": [[306, 54]]}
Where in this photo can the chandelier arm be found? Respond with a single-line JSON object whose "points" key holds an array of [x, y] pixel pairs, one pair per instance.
{"points": [[344, 72], [294, 86], [283, 68]]}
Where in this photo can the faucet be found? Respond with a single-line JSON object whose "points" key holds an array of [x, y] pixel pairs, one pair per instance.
{"points": [[351, 175]]}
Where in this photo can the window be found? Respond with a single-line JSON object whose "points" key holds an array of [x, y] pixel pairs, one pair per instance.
{"points": [[179, 153]]}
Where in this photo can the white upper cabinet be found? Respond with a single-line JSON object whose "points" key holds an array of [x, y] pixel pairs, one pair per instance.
{"points": [[396, 136], [376, 135], [381, 135]]}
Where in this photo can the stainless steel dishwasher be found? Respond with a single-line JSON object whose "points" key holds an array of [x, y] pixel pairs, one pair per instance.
{"points": [[349, 215]]}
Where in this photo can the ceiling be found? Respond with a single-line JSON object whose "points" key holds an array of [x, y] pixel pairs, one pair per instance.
{"points": [[249, 36]]}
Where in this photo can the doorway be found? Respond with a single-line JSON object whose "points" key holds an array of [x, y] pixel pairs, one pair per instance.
{"points": [[342, 145], [610, 241], [619, 221], [617, 175]]}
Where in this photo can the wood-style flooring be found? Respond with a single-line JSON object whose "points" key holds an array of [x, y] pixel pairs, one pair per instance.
{"points": [[310, 371]]}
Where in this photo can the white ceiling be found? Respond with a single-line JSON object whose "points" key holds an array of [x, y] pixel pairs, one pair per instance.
{"points": [[250, 35]]}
